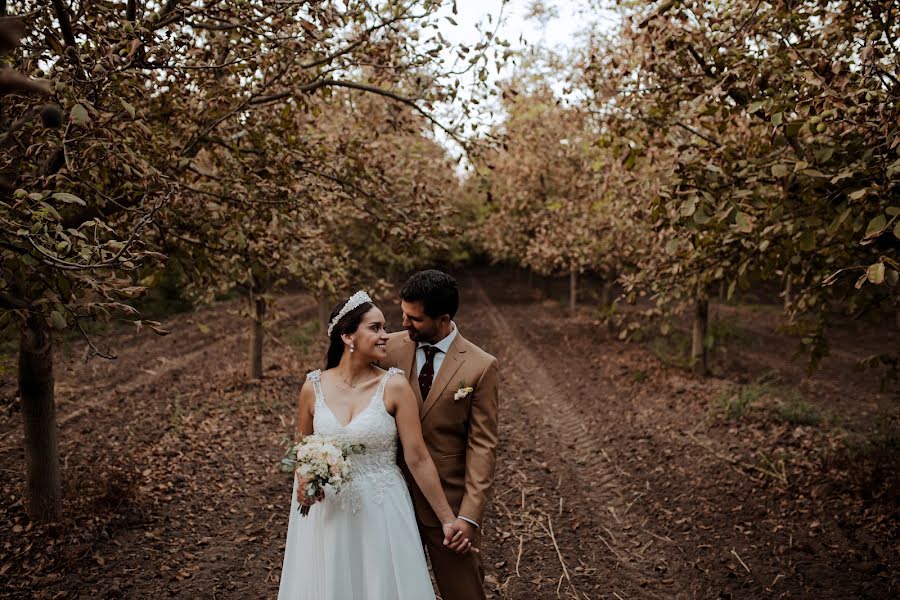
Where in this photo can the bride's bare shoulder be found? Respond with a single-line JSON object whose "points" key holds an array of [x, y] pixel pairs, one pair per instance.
{"points": [[396, 383]]}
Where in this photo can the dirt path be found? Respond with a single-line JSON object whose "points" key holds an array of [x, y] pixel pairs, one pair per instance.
{"points": [[713, 508], [562, 493]]}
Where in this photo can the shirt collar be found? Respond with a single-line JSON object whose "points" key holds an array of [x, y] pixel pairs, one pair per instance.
{"points": [[444, 344]]}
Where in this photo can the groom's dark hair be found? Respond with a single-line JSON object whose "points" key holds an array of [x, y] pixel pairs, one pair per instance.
{"points": [[437, 291]]}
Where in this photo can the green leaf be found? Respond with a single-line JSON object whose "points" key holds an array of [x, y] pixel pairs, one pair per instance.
{"points": [[79, 115], [57, 321], [51, 211], [897, 230], [838, 220], [755, 106], [875, 273], [858, 194], [743, 222], [68, 198], [128, 108], [672, 246], [701, 217], [876, 226], [780, 170]]}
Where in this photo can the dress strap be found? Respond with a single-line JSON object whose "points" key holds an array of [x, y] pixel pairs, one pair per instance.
{"points": [[316, 378], [390, 372]]}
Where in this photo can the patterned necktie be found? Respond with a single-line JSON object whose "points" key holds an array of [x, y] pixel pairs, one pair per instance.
{"points": [[426, 375]]}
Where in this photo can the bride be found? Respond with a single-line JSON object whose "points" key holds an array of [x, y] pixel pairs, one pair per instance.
{"points": [[363, 543]]}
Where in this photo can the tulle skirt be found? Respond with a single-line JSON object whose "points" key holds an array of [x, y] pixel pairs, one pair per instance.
{"points": [[361, 544]]}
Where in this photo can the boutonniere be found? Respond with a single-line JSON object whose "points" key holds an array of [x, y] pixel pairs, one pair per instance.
{"points": [[463, 391]]}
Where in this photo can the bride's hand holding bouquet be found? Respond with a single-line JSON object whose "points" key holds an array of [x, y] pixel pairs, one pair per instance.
{"points": [[321, 463]]}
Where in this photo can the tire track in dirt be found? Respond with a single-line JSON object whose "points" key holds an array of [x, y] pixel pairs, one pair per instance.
{"points": [[618, 544]]}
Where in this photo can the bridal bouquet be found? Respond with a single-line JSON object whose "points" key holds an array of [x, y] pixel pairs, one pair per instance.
{"points": [[324, 461]]}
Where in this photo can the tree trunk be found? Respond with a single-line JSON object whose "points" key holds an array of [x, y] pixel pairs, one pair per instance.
{"points": [[573, 290], [530, 279], [787, 293], [257, 333], [606, 294], [701, 319], [42, 478]]}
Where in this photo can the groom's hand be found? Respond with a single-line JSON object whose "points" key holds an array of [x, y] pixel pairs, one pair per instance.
{"points": [[459, 536]]}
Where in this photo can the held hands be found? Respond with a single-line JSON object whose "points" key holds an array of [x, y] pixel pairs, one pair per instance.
{"points": [[459, 536]]}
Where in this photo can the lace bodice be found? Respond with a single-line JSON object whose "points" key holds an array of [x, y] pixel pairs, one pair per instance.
{"points": [[375, 429]]}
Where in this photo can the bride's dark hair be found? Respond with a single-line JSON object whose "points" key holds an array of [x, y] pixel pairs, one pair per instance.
{"points": [[348, 324]]}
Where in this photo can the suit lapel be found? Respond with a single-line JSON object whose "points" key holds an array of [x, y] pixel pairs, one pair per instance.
{"points": [[451, 364]]}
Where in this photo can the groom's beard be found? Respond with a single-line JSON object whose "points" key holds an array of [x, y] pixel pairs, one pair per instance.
{"points": [[421, 336]]}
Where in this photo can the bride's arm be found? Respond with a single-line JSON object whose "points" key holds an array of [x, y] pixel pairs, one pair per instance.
{"points": [[400, 400], [305, 407]]}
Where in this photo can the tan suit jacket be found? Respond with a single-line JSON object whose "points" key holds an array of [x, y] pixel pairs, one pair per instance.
{"points": [[461, 435]]}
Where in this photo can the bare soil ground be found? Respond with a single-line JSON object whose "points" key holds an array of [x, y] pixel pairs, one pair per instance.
{"points": [[620, 475]]}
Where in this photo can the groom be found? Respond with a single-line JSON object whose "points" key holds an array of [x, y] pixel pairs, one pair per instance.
{"points": [[456, 384]]}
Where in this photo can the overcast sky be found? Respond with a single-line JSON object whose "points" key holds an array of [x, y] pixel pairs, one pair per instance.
{"points": [[560, 28], [556, 31]]}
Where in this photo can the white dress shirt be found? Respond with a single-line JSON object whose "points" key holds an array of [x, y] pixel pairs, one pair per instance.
{"points": [[443, 346]]}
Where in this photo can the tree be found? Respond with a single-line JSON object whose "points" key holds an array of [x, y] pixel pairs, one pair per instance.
{"points": [[778, 121], [543, 202], [151, 94], [276, 149]]}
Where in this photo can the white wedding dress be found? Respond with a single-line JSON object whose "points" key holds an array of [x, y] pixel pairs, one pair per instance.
{"points": [[362, 543]]}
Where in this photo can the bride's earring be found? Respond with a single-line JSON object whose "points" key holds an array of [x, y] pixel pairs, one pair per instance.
{"points": [[352, 347]]}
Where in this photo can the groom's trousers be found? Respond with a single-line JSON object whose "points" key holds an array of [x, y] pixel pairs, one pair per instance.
{"points": [[459, 576]]}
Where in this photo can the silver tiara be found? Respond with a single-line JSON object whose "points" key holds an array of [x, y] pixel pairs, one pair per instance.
{"points": [[356, 300]]}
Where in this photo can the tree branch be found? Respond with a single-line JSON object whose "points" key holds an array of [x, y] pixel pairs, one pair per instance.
{"points": [[320, 83], [65, 25], [10, 302]]}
